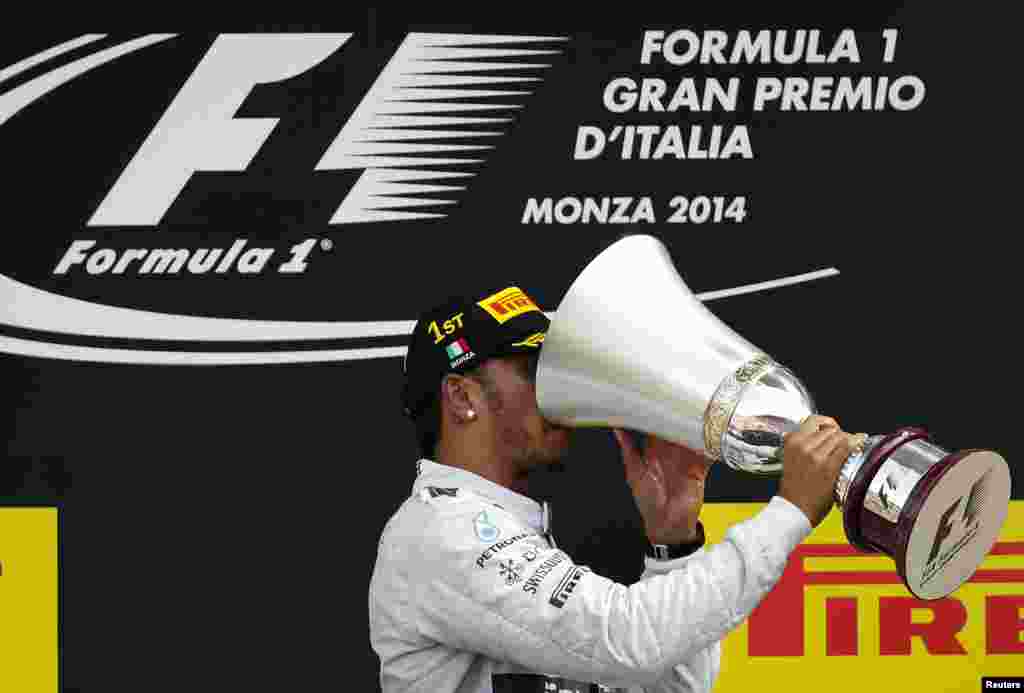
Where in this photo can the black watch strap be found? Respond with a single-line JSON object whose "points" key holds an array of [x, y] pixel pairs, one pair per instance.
{"points": [[666, 552]]}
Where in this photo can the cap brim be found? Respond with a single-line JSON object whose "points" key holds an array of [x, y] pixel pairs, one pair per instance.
{"points": [[531, 344]]}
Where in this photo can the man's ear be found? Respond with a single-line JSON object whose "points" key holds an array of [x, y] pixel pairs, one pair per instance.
{"points": [[460, 396]]}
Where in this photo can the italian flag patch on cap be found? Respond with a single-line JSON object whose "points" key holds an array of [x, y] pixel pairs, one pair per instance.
{"points": [[457, 348]]}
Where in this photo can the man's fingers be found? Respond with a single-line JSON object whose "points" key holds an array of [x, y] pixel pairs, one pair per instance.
{"points": [[838, 444], [625, 442], [653, 466], [811, 443], [631, 457], [820, 438], [816, 422], [813, 432]]}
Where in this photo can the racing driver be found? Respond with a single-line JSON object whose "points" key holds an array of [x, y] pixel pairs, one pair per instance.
{"points": [[470, 593]]}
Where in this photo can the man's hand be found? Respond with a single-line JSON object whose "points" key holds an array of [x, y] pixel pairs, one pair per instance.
{"points": [[668, 485], [812, 457]]}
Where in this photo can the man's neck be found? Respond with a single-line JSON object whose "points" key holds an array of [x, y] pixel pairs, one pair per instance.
{"points": [[489, 467]]}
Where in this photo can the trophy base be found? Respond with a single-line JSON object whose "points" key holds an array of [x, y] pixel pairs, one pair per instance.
{"points": [[937, 514]]}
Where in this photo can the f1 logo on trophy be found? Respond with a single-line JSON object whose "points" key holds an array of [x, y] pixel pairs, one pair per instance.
{"points": [[611, 358]]}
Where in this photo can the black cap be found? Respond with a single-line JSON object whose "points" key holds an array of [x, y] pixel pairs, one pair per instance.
{"points": [[461, 333]]}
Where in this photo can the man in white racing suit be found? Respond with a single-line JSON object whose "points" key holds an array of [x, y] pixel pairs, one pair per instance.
{"points": [[469, 591]]}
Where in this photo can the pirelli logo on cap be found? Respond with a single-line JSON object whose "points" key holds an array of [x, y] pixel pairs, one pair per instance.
{"points": [[507, 304]]}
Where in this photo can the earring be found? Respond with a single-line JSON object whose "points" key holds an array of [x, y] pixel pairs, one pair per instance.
{"points": [[470, 414]]}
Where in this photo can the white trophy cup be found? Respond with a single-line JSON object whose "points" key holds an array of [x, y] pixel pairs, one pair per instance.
{"points": [[631, 347]]}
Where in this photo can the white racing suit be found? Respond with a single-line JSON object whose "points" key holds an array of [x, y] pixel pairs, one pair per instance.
{"points": [[469, 594]]}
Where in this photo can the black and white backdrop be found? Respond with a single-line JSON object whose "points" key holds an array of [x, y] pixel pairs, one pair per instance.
{"points": [[221, 431]]}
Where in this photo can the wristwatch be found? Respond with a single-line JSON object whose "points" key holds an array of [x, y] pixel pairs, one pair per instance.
{"points": [[666, 552]]}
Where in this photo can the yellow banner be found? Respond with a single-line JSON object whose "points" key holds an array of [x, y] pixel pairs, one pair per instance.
{"points": [[842, 621], [28, 600]]}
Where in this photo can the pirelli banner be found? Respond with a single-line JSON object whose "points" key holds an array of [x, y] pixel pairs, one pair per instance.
{"points": [[844, 616], [218, 236]]}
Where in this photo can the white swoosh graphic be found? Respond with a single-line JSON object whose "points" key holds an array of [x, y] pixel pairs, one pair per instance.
{"points": [[70, 352], [31, 308], [21, 96], [764, 286], [43, 56], [268, 329]]}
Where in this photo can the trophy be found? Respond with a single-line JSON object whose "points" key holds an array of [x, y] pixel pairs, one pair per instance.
{"points": [[631, 347]]}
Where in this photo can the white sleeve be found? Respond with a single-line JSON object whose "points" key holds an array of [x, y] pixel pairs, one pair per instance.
{"points": [[516, 600], [698, 672]]}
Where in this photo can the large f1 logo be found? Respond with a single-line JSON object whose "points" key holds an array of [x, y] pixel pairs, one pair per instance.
{"points": [[416, 100], [199, 132]]}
